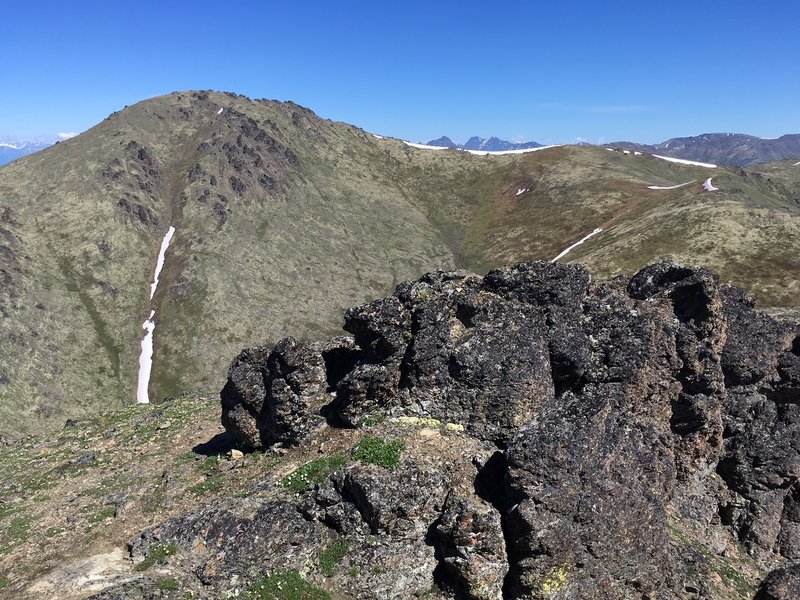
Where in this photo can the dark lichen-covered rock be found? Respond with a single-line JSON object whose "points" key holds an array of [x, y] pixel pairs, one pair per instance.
{"points": [[593, 467], [587, 523], [700, 330], [275, 396], [226, 538], [463, 355], [540, 284], [489, 372], [381, 328], [781, 584], [473, 554], [644, 435], [754, 342]]}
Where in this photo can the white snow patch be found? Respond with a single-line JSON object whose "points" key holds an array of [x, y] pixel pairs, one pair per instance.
{"points": [[219, 112], [521, 191], [797, 164], [12, 146], [145, 360], [500, 152], [610, 149], [480, 152], [146, 355], [637, 153], [65, 135], [686, 162], [626, 151], [578, 243], [669, 187], [709, 187], [160, 262], [424, 146], [380, 137]]}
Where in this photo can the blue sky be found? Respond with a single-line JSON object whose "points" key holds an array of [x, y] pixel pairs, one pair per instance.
{"points": [[547, 71]]}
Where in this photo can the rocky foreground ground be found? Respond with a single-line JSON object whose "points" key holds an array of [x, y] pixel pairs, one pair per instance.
{"points": [[528, 434]]}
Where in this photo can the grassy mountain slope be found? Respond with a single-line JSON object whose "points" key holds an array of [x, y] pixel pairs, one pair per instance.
{"points": [[283, 219]]}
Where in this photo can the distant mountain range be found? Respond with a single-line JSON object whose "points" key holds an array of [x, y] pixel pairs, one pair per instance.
{"points": [[492, 144], [733, 149], [13, 150]]}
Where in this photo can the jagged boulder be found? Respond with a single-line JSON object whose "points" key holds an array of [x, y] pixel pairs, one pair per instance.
{"points": [[781, 584], [633, 438], [276, 396], [462, 355], [226, 538], [471, 547]]}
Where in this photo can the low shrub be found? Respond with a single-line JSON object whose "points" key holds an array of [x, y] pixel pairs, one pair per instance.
{"points": [[331, 555], [374, 451], [284, 585], [313, 473], [157, 554]]}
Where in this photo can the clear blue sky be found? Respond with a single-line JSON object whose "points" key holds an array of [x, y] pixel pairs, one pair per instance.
{"points": [[539, 70]]}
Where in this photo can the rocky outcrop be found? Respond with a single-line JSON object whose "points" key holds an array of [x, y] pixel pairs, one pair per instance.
{"points": [[564, 438], [781, 584], [274, 396]]}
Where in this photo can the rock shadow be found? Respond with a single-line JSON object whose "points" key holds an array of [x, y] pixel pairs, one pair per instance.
{"points": [[220, 444]]}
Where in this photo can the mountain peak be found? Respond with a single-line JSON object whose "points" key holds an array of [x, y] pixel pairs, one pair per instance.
{"points": [[493, 144], [737, 149], [443, 142], [12, 150]]}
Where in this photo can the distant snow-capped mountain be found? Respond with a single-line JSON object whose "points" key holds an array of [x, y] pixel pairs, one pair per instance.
{"points": [[723, 148], [13, 150], [492, 144]]}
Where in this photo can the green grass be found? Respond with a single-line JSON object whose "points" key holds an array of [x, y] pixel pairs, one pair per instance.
{"points": [[211, 484], [313, 473], [7, 509], [375, 451], [17, 532], [167, 584], [330, 556], [186, 458], [106, 513], [209, 464], [370, 420], [157, 554], [20, 526], [284, 585], [80, 284]]}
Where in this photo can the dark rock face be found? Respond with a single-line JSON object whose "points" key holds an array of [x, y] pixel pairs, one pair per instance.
{"points": [[229, 532], [275, 396], [634, 438], [781, 584], [443, 348], [472, 548]]}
